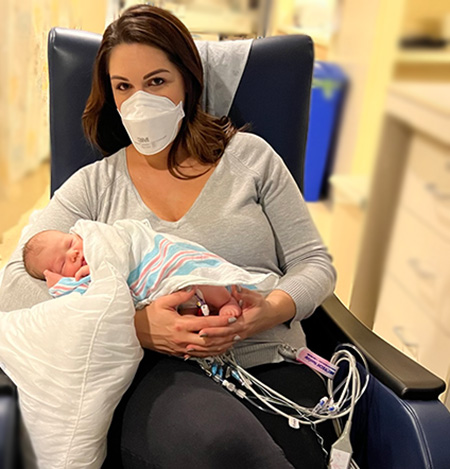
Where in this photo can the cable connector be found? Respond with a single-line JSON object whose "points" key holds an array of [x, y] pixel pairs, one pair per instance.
{"points": [[341, 451], [201, 304], [294, 423], [236, 376], [331, 407], [230, 386], [321, 404], [287, 351]]}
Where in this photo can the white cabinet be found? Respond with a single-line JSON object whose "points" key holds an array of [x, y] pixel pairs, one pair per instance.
{"points": [[413, 311]]}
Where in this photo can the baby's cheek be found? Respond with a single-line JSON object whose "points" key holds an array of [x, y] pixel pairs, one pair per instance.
{"points": [[69, 271]]}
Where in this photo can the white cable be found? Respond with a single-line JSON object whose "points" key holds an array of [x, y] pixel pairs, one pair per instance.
{"points": [[340, 402], [348, 397]]}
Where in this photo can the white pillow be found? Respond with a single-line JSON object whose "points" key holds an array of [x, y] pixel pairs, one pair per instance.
{"points": [[72, 358]]}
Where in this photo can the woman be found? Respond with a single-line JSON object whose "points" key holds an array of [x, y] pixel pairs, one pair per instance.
{"points": [[196, 176]]}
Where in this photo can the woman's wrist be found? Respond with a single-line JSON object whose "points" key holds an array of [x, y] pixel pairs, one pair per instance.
{"points": [[282, 306], [142, 326], [260, 314]]}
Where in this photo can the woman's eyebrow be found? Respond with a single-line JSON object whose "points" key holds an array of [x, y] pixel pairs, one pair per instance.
{"points": [[155, 72], [148, 75], [117, 77]]}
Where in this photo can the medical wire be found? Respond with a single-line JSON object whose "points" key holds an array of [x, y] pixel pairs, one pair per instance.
{"points": [[340, 402]]}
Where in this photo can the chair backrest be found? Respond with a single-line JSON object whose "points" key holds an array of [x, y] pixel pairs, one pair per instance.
{"points": [[273, 96]]}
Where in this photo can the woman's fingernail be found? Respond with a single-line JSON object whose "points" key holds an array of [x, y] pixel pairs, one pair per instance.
{"points": [[186, 357], [238, 288], [190, 350], [204, 334], [240, 303], [236, 338], [231, 320], [189, 289]]}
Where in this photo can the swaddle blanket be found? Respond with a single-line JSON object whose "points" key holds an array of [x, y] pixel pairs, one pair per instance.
{"points": [[156, 264]]}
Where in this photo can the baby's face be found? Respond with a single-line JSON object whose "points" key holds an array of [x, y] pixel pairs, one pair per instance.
{"points": [[62, 254]]}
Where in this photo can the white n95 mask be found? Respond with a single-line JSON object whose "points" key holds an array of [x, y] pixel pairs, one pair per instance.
{"points": [[151, 121]]}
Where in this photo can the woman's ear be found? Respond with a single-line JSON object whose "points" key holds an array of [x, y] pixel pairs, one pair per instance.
{"points": [[51, 278]]}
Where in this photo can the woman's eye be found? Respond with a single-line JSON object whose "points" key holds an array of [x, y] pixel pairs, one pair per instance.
{"points": [[122, 86], [156, 81]]}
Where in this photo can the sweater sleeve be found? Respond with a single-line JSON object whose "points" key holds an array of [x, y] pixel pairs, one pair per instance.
{"points": [[74, 200], [308, 275]]}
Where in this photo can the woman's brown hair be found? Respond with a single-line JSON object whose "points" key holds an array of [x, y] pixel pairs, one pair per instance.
{"points": [[201, 135]]}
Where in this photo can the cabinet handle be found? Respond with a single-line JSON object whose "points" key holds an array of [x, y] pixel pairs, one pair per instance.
{"points": [[408, 341], [431, 187], [421, 271], [405, 337]]}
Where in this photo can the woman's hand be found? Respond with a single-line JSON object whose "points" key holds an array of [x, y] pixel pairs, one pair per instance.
{"points": [[259, 313], [159, 327]]}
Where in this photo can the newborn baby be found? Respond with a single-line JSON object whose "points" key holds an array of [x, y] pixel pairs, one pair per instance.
{"points": [[58, 258]]}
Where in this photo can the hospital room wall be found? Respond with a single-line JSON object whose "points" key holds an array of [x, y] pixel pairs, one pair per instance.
{"points": [[24, 132]]}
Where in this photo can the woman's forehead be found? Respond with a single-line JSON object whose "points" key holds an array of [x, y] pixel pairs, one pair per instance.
{"points": [[137, 57]]}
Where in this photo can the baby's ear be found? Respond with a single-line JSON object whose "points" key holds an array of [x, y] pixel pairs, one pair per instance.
{"points": [[51, 278]]}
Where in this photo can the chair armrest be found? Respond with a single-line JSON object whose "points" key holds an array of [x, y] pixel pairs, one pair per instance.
{"points": [[8, 423], [7, 387], [336, 324]]}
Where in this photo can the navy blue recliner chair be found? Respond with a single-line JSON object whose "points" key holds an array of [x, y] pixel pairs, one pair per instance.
{"points": [[399, 423]]}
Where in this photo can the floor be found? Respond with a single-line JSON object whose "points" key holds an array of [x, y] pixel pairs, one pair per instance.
{"points": [[24, 197], [33, 193]]}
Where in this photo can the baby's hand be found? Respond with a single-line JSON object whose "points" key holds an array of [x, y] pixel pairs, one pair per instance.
{"points": [[82, 272], [51, 278]]}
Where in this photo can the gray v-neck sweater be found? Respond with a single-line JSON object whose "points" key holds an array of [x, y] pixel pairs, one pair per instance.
{"points": [[250, 212]]}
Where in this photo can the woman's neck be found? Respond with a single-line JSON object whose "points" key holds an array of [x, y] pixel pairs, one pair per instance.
{"points": [[159, 161]]}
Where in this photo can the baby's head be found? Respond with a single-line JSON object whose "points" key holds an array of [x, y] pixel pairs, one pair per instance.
{"points": [[55, 252]]}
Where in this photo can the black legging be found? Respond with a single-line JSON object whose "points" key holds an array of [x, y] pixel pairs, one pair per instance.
{"points": [[174, 416]]}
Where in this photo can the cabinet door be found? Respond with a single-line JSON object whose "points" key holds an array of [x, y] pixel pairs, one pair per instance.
{"points": [[420, 261], [426, 189], [411, 329], [413, 311]]}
